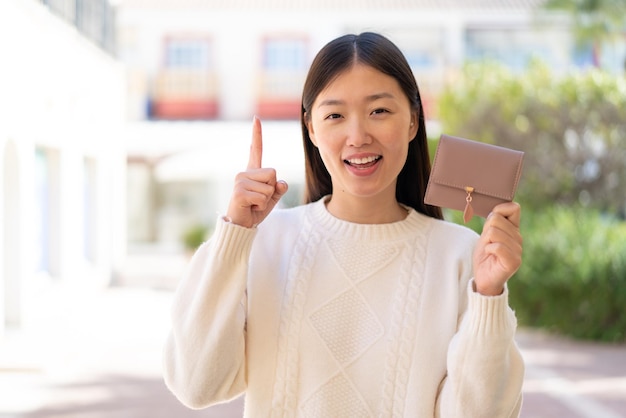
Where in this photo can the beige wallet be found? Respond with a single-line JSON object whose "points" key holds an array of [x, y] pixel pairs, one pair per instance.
{"points": [[472, 176]]}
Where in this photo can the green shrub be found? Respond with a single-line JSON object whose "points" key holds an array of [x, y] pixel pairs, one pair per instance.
{"points": [[194, 236], [572, 128], [573, 277]]}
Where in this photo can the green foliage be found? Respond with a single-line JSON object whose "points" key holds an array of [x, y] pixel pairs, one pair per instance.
{"points": [[432, 147], [594, 20], [194, 236], [573, 278], [572, 129]]}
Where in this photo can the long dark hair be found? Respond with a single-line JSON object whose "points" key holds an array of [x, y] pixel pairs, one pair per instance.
{"points": [[378, 52]]}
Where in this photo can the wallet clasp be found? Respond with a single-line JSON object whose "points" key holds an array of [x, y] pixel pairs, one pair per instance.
{"points": [[468, 213]]}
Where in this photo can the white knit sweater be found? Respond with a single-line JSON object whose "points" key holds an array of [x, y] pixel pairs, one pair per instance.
{"points": [[312, 316]]}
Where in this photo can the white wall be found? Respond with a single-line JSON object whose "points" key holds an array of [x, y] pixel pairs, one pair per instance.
{"points": [[207, 153], [64, 96]]}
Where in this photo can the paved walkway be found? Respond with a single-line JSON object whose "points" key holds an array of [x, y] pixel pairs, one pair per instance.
{"points": [[572, 379], [96, 354]]}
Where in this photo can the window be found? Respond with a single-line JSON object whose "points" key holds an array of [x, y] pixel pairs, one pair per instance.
{"points": [[185, 87], [282, 76], [188, 53], [516, 47], [424, 50], [284, 55]]}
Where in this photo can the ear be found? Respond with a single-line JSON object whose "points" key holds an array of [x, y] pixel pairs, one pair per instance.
{"points": [[309, 126], [413, 125]]}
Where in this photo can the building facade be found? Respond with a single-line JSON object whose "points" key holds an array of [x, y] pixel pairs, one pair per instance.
{"points": [[62, 160], [199, 69], [208, 59]]}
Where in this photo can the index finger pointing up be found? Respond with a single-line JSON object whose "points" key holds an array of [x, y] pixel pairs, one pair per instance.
{"points": [[256, 146]]}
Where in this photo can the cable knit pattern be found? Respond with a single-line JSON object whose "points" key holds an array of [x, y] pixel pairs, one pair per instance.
{"points": [[409, 320], [402, 337], [330, 317], [392, 359], [284, 402]]}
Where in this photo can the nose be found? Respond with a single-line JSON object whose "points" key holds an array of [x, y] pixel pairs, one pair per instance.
{"points": [[358, 134]]}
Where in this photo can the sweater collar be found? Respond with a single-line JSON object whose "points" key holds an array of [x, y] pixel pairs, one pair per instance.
{"points": [[414, 223]]}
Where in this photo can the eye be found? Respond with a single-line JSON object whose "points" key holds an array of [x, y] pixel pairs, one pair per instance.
{"points": [[380, 111], [333, 116]]}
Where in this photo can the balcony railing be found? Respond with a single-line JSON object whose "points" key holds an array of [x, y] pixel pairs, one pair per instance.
{"points": [[95, 19], [184, 94], [279, 94]]}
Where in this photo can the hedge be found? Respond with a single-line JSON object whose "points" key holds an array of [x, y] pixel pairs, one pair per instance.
{"points": [[573, 277]]}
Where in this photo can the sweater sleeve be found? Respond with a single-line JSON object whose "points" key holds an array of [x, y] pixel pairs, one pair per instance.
{"points": [[485, 367], [204, 354]]}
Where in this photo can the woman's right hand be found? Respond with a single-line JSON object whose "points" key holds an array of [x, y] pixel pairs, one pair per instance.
{"points": [[256, 190]]}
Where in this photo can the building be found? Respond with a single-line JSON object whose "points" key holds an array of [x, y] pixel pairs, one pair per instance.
{"points": [[199, 69], [62, 160], [210, 59]]}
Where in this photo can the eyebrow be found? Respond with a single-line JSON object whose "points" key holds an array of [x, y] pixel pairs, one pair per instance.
{"points": [[370, 98]]}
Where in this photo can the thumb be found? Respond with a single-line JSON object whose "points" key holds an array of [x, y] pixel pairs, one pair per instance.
{"points": [[279, 190]]}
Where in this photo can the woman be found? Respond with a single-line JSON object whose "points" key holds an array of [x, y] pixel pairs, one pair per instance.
{"points": [[362, 302]]}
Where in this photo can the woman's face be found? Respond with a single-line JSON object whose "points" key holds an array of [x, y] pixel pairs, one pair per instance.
{"points": [[362, 124]]}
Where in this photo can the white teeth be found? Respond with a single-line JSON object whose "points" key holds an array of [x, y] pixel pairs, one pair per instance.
{"points": [[363, 160]]}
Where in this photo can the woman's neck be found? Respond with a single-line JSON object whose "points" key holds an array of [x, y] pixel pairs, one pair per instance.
{"points": [[366, 210]]}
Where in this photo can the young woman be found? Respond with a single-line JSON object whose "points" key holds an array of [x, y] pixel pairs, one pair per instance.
{"points": [[362, 302]]}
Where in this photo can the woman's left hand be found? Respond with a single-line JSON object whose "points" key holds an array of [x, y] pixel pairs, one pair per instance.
{"points": [[498, 253]]}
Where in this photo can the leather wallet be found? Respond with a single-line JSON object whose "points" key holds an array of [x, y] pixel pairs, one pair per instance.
{"points": [[472, 176]]}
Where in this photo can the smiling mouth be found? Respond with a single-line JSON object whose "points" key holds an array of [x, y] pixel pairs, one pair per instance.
{"points": [[363, 162]]}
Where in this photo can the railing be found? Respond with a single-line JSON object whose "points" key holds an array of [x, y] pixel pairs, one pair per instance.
{"points": [[281, 84], [185, 84], [184, 94], [279, 94], [95, 19]]}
